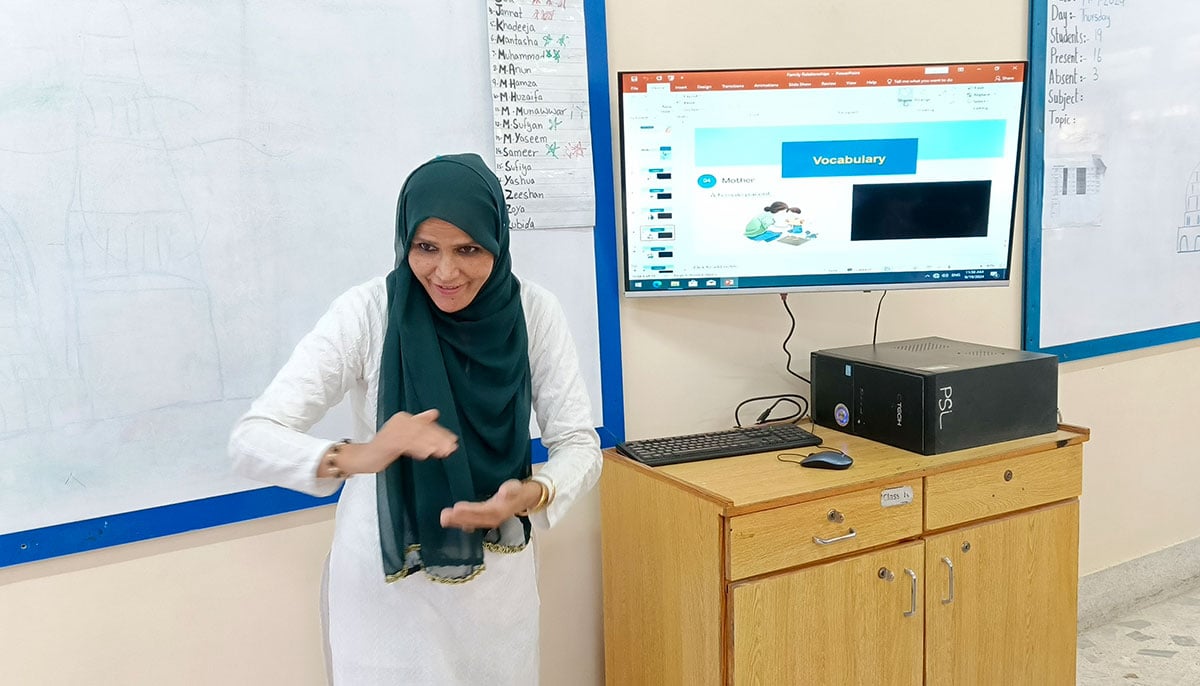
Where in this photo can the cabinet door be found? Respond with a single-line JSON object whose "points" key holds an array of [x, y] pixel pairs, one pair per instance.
{"points": [[847, 622], [1010, 618]]}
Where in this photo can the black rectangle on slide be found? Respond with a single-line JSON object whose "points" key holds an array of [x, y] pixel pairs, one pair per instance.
{"points": [[938, 209], [664, 215]]}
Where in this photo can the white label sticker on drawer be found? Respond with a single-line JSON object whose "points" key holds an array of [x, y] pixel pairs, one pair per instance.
{"points": [[900, 495]]}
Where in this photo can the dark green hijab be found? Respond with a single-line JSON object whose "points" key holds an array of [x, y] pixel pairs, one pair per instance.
{"points": [[471, 365]]}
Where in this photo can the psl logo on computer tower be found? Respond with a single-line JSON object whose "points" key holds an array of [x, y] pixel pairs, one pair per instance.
{"points": [[945, 404]]}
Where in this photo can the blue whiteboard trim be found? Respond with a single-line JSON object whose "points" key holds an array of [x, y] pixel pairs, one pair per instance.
{"points": [[605, 232], [1034, 187], [1035, 178], [1127, 341], [128, 527]]}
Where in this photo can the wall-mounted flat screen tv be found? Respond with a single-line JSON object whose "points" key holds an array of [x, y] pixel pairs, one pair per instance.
{"points": [[863, 178]]}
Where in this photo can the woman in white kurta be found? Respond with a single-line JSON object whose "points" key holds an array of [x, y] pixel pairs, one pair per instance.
{"points": [[427, 619]]}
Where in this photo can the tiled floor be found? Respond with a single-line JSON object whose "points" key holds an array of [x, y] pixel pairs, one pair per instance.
{"points": [[1158, 645]]}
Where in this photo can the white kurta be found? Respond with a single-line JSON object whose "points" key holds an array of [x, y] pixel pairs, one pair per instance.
{"points": [[416, 631]]}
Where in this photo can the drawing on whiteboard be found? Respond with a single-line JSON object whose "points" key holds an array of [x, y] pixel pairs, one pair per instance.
{"points": [[133, 242], [1189, 232], [23, 364], [1072, 191], [109, 352]]}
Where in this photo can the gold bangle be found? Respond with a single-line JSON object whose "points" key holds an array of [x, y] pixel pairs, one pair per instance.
{"points": [[548, 484], [330, 460], [543, 499]]}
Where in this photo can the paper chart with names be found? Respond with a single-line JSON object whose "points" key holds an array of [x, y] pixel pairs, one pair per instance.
{"points": [[543, 141], [1075, 142]]}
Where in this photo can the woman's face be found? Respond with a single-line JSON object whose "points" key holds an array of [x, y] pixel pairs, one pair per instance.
{"points": [[449, 264]]}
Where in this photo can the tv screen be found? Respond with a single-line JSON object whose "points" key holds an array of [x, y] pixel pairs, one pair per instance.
{"points": [[863, 178]]}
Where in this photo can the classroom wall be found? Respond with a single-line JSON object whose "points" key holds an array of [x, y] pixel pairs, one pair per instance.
{"points": [[237, 604]]}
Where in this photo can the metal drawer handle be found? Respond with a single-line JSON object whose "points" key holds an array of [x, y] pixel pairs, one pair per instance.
{"points": [[826, 541], [913, 602], [947, 601]]}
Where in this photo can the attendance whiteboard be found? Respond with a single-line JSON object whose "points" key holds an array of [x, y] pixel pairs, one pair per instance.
{"points": [[185, 186], [1113, 247]]}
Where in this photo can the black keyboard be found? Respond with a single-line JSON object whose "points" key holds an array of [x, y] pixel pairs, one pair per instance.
{"points": [[740, 441]]}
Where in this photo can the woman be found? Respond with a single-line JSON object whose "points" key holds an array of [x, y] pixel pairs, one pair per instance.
{"points": [[430, 578], [760, 227]]}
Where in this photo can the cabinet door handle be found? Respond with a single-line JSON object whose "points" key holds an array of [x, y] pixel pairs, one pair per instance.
{"points": [[950, 565], [826, 541], [913, 601]]}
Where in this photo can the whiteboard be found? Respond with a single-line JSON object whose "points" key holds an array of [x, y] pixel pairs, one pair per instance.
{"points": [[185, 186], [1113, 226]]}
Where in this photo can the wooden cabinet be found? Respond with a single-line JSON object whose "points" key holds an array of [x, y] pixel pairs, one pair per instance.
{"points": [[905, 569], [856, 620], [1009, 615]]}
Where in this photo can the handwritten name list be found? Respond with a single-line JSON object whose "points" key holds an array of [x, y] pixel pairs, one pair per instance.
{"points": [[540, 106]]}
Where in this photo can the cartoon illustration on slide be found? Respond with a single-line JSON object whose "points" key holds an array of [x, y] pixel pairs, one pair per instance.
{"points": [[1189, 232], [781, 221], [760, 228]]}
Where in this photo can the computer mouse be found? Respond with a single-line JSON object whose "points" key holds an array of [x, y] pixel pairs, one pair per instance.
{"points": [[827, 459]]}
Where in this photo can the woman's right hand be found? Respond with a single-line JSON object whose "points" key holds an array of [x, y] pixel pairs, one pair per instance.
{"points": [[418, 436]]}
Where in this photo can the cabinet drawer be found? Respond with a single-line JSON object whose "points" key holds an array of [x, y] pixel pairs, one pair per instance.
{"points": [[987, 490], [788, 536]]}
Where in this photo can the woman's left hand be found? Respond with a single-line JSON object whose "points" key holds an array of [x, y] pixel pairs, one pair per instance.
{"points": [[513, 496]]}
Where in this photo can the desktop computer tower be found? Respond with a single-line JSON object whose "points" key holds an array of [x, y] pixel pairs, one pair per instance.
{"points": [[934, 395]]}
